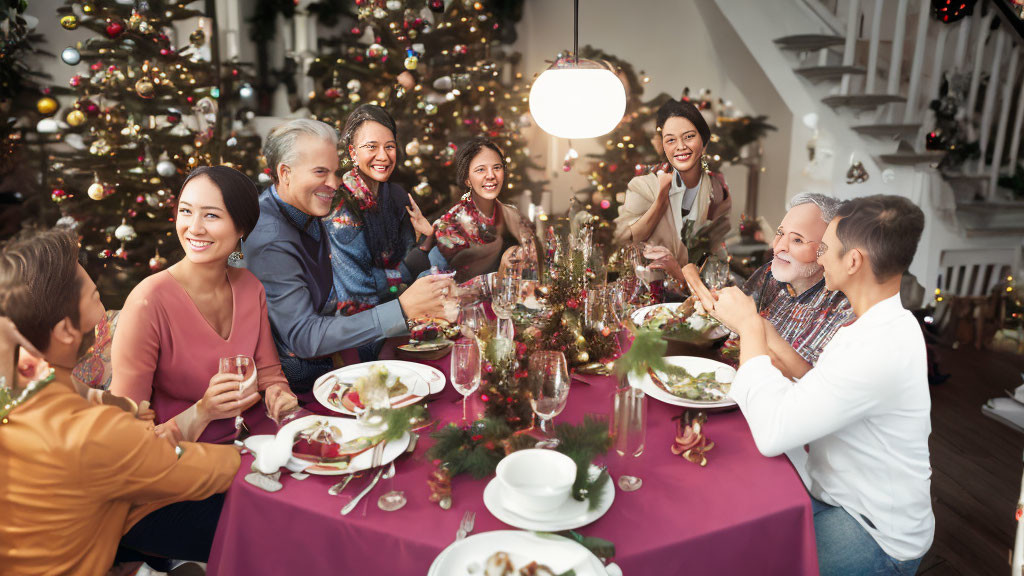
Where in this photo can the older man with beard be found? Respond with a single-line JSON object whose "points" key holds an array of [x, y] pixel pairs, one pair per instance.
{"points": [[789, 290]]}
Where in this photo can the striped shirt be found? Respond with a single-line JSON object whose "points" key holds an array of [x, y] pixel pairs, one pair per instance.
{"points": [[807, 320]]}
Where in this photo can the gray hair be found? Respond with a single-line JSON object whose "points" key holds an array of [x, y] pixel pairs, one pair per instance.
{"points": [[828, 205], [279, 147]]}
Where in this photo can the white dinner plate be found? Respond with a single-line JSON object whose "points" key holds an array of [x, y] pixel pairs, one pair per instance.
{"points": [[640, 314], [694, 365], [556, 552], [568, 516], [350, 430], [434, 377], [410, 373]]}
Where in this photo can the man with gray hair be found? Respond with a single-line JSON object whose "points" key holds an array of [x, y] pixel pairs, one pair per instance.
{"points": [[790, 290], [290, 253]]}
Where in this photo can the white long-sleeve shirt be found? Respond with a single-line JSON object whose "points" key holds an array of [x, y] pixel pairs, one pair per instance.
{"points": [[864, 409]]}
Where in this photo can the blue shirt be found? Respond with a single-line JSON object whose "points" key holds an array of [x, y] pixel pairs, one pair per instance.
{"points": [[290, 254]]}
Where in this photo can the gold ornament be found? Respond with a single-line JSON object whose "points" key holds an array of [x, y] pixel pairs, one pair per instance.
{"points": [[46, 106], [97, 191], [75, 118], [197, 38], [145, 88], [583, 357], [69, 22], [580, 340]]}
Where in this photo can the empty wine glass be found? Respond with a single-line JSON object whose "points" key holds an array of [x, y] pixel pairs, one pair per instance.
{"points": [[715, 273], [245, 367], [376, 401], [465, 369], [504, 298], [471, 320], [629, 430], [549, 390]]}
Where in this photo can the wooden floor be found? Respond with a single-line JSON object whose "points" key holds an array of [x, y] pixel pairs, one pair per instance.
{"points": [[976, 466]]}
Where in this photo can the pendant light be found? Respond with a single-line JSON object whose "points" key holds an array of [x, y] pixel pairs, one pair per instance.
{"points": [[576, 97]]}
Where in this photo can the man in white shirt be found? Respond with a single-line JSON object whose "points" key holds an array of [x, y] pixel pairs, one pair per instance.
{"points": [[864, 409]]}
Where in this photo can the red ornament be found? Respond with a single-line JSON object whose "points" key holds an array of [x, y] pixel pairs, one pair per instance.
{"points": [[96, 66], [436, 5], [75, 80], [485, 397], [332, 93], [572, 303], [114, 28], [499, 121], [58, 195]]}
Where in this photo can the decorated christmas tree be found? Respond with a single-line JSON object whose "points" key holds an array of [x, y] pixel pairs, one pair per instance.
{"points": [[147, 112], [26, 100], [440, 69]]}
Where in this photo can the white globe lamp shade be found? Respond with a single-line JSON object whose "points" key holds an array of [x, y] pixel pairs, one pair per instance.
{"points": [[577, 99]]}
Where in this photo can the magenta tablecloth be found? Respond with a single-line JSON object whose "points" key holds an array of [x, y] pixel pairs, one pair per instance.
{"points": [[742, 514]]}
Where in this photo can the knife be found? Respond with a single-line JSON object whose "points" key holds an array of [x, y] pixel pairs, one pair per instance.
{"points": [[351, 505]]}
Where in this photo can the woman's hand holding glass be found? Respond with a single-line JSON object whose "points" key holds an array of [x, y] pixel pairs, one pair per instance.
{"points": [[280, 402]]}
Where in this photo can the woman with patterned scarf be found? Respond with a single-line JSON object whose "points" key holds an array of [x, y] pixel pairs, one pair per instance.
{"points": [[373, 230], [478, 234]]}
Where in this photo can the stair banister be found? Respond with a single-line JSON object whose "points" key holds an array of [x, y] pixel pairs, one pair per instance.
{"points": [[852, 17], [896, 57], [1004, 119], [876, 33], [979, 55], [963, 34], [932, 90], [910, 110], [988, 109], [1018, 125]]}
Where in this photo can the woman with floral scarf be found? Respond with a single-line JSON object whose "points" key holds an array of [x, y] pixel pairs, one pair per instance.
{"points": [[479, 233], [374, 255]]}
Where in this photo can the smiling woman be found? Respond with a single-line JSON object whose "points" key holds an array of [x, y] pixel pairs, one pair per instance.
{"points": [[177, 324], [373, 230]]}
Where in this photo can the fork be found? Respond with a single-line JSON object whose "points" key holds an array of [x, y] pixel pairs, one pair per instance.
{"points": [[466, 526], [340, 486]]}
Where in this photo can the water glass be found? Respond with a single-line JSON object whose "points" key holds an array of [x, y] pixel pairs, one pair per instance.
{"points": [[548, 383], [465, 369], [629, 430]]}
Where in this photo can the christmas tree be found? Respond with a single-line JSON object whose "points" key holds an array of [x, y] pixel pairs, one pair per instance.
{"points": [[26, 100], [146, 113], [441, 70]]}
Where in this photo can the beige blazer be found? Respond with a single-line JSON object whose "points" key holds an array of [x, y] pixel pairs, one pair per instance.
{"points": [[713, 201]]}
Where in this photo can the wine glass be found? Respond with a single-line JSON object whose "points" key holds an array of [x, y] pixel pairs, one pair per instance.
{"points": [[465, 369], [245, 367], [629, 430], [715, 273], [504, 298], [471, 320], [376, 401], [549, 390]]}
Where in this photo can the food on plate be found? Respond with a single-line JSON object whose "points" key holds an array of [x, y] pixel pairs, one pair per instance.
{"points": [[500, 564], [687, 323], [322, 442], [346, 395], [426, 330], [703, 387]]}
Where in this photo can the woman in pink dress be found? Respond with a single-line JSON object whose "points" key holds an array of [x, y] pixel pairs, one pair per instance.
{"points": [[177, 324]]}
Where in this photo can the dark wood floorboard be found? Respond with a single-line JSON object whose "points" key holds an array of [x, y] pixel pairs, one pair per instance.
{"points": [[976, 466]]}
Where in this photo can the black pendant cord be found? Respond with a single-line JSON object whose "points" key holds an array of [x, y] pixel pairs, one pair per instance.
{"points": [[576, 31]]}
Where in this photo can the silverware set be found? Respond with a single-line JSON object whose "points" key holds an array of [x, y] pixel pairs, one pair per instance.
{"points": [[466, 526], [383, 473]]}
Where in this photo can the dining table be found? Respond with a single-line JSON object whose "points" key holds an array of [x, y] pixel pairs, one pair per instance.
{"points": [[742, 513]]}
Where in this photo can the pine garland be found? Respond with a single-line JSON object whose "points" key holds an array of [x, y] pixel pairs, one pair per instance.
{"points": [[505, 395], [583, 443]]}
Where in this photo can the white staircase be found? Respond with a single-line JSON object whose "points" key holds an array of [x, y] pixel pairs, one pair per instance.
{"points": [[859, 77]]}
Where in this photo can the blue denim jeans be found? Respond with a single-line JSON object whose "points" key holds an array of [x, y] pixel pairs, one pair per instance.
{"points": [[845, 548]]}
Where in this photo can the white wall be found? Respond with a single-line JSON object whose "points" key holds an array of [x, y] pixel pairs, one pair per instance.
{"points": [[684, 43]]}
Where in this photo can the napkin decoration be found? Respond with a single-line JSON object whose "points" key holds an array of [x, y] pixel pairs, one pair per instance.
{"points": [[690, 441]]}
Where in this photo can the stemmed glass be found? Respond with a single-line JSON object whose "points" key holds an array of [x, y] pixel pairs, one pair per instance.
{"points": [[629, 430], [549, 390], [472, 320], [715, 273], [504, 298], [465, 369], [245, 367]]}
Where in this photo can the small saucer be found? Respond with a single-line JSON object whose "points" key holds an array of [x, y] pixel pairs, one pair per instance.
{"points": [[570, 515]]}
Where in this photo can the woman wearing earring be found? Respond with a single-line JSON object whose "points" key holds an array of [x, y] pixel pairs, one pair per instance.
{"points": [[662, 208], [177, 324], [374, 254], [479, 233]]}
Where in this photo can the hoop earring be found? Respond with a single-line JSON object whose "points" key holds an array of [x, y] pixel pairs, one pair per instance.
{"points": [[704, 164]]}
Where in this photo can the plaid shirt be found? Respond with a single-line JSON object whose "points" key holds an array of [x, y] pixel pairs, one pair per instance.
{"points": [[808, 320]]}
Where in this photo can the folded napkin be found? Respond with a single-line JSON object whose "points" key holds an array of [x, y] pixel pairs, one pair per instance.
{"points": [[273, 455]]}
